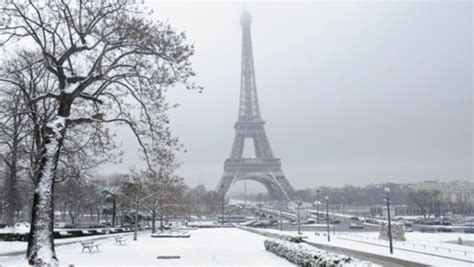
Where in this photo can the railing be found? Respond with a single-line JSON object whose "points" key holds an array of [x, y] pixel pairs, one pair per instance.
{"points": [[408, 245]]}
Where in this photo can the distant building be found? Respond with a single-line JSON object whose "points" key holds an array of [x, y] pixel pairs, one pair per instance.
{"points": [[453, 191], [396, 210]]}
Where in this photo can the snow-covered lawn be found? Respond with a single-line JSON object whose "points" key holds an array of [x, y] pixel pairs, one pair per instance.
{"points": [[416, 248], [18, 246], [423, 252], [217, 246], [437, 243]]}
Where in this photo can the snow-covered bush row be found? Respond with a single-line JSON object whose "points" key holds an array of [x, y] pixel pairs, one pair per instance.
{"points": [[277, 235], [308, 256]]}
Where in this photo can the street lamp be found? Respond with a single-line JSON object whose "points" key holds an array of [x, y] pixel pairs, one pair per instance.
{"points": [[281, 216], [317, 204], [298, 203], [327, 217], [387, 191], [259, 206], [223, 204]]}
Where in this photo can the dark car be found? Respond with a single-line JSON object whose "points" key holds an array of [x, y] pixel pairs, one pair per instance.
{"points": [[262, 224], [445, 230], [274, 222], [469, 230]]}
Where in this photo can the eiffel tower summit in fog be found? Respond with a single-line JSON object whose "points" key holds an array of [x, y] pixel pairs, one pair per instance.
{"points": [[264, 167]]}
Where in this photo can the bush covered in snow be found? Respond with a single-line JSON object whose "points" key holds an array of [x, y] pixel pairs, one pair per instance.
{"points": [[277, 235], [308, 256], [398, 231]]}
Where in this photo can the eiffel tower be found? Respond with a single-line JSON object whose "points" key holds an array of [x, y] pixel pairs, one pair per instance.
{"points": [[264, 167]]}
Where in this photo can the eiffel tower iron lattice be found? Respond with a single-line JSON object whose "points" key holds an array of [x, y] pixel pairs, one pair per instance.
{"points": [[264, 167]]}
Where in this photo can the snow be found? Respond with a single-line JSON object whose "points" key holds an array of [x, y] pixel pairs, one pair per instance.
{"points": [[18, 228], [40, 241], [71, 87], [369, 242], [215, 246], [307, 255], [439, 243], [424, 251], [18, 247]]}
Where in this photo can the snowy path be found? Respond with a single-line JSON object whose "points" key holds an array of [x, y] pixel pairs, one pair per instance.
{"points": [[221, 246]]}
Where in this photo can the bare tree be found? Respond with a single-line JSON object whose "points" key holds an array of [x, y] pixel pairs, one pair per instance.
{"points": [[109, 64], [12, 136]]}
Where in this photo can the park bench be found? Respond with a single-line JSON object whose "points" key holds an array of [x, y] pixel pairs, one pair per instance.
{"points": [[89, 245], [120, 240]]}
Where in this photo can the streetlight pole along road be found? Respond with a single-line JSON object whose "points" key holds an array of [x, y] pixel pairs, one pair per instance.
{"points": [[387, 191], [327, 218]]}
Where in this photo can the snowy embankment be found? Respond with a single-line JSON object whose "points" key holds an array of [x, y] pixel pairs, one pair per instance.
{"points": [[305, 255], [208, 224], [291, 247], [274, 234], [423, 248]]}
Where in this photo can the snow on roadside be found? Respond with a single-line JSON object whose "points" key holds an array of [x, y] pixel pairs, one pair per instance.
{"points": [[306, 255], [215, 246]]}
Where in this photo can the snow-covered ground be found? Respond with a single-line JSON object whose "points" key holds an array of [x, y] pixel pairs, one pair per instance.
{"points": [[428, 248], [419, 247], [444, 244], [19, 246], [217, 246]]}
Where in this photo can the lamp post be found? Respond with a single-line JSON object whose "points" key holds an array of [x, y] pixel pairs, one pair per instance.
{"points": [[223, 204], [317, 205], [298, 203], [327, 217], [387, 191], [281, 216], [259, 206]]}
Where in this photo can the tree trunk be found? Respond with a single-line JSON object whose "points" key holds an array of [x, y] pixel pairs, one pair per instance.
{"points": [[161, 221], [114, 210], [135, 232], [11, 197], [153, 218], [40, 245], [11, 180]]}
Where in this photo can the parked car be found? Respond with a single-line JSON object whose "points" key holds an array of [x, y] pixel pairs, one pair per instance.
{"points": [[469, 230], [262, 224], [372, 221], [308, 221], [274, 222], [356, 223], [445, 229], [249, 223]]}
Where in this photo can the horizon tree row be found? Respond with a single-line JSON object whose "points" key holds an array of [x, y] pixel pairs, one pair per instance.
{"points": [[70, 70]]}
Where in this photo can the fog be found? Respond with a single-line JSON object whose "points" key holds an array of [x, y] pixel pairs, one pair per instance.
{"points": [[351, 92]]}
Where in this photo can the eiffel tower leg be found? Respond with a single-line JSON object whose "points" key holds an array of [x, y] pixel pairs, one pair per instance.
{"points": [[225, 183]]}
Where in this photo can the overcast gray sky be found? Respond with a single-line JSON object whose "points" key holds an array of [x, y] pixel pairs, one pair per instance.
{"points": [[352, 92]]}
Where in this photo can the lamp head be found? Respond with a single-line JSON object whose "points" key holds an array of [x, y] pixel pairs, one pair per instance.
{"points": [[387, 190]]}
